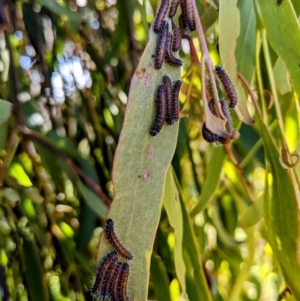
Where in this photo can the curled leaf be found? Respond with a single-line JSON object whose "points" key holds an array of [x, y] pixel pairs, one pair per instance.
{"points": [[286, 157]]}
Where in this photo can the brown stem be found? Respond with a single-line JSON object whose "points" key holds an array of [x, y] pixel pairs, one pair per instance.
{"points": [[239, 172], [15, 86], [207, 60]]}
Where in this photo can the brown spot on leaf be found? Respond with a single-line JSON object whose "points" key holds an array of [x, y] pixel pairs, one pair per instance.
{"points": [[150, 153], [140, 74], [145, 175], [176, 197], [148, 80]]}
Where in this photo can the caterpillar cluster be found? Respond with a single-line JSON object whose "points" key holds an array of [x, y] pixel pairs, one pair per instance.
{"points": [[207, 134], [167, 43], [232, 101], [167, 105], [111, 275], [111, 279]]}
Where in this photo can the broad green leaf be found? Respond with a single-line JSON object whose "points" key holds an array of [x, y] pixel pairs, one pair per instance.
{"points": [[193, 260], [291, 127], [173, 209], [208, 18], [285, 36], [252, 214], [139, 172], [281, 75], [223, 234], [160, 279], [5, 110], [282, 215], [229, 19], [296, 5], [92, 200], [215, 166], [289, 297], [245, 44]]}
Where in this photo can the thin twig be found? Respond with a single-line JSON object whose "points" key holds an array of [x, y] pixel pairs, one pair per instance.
{"points": [[216, 123], [15, 84], [207, 61], [239, 172]]}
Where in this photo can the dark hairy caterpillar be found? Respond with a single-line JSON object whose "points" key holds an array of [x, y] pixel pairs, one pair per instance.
{"points": [[161, 46], [124, 281], [188, 14], [120, 284], [108, 290], [114, 241], [183, 28], [102, 273], [210, 137], [175, 101], [160, 113], [279, 2], [160, 15], [228, 86], [169, 57], [168, 100], [176, 39], [173, 8]]}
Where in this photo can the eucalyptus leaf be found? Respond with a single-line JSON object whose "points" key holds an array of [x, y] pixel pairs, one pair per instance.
{"points": [[282, 77], [229, 19], [215, 166], [173, 209], [92, 200], [252, 214], [245, 44], [140, 167], [193, 260], [285, 37], [282, 215], [5, 110], [222, 233], [160, 279]]}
